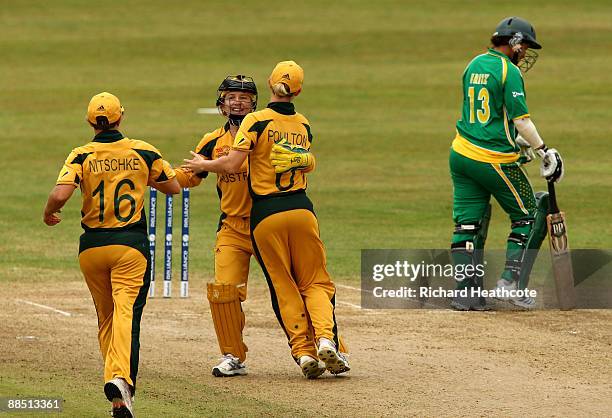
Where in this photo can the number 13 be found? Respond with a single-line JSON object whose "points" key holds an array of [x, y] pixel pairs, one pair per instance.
{"points": [[484, 112]]}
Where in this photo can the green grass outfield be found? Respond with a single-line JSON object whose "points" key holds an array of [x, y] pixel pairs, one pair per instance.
{"points": [[382, 92]]}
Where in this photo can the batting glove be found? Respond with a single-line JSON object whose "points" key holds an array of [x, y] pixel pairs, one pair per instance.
{"points": [[552, 168], [285, 157], [526, 151]]}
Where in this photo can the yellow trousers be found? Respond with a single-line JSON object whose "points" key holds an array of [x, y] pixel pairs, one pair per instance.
{"points": [[233, 251], [292, 257], [118, 279]]}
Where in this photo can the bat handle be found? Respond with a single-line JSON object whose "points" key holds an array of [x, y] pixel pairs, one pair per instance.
{"points": [[552, 198]]}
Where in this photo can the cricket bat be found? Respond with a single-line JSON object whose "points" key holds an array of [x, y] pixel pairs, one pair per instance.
{"points": [[560, 254]]}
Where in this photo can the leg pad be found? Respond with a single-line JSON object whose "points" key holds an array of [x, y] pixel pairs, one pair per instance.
{"points": [[228, 318]]}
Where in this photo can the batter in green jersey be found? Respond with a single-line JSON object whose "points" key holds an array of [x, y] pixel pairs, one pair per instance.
{"points": [[495, 135]]}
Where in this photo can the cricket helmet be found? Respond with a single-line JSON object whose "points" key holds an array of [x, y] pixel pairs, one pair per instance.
{"points": [[237, 83], [518, 29]]}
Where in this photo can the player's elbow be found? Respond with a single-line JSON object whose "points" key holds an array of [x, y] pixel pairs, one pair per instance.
{"points": [[169, 187], [61, 193], [312, 164], [175, 187], [233, 162], [231, 167], [521, 122]]}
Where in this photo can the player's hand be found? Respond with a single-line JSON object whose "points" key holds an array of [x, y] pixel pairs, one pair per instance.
{"points": [[552, 168], [52, 219], [526, 152], [522, 142], [184, 169], [285, 156], [195, 164]]}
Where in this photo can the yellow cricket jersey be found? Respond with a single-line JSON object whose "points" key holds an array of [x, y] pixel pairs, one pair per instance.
{"points": [[113, 173], [258, 132], [273, 193], [232, 188]]}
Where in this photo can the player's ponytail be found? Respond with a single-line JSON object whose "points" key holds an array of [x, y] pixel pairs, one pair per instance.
{"points": [[281, 90], [102, 124]]}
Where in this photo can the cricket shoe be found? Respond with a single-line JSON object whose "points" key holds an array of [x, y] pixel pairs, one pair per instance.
{"points": [[334, 361], [524, 302], [344, 364], [469, 303], [504, 285], [311, 367], [117, 391], [229, 366]]}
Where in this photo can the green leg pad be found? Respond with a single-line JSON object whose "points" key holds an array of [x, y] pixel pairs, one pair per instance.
{"points": [[536, 237]]}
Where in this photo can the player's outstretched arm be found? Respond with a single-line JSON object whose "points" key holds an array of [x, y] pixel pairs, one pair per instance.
{"points": [[230, 163], [168, 187], [57, 199]]}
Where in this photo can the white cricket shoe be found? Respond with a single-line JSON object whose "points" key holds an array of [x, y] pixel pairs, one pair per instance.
{"points": [[311, 367], [503, 284], [343, 365], [229, 366], [117, 391], [524, 302], [334, 361]]}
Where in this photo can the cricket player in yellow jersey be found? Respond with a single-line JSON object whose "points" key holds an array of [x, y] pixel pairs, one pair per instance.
{"points": [[284, 230], [113, 173], [236, 97]]}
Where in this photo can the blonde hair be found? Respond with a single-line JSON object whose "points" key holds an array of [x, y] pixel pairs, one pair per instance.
{"points": [[281, 90]]}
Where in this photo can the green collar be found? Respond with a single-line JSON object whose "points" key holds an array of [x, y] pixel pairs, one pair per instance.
{"points": [[284, 108], [499, 54], [108, 136]]}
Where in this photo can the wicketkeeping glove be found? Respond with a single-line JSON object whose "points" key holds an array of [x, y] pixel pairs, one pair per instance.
{"points": [[285, 156]]}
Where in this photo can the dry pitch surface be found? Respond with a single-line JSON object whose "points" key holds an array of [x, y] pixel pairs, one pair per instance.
{"points": [[405, 363]]}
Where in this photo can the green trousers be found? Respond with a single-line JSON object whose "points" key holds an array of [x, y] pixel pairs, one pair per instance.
{"points": [[474, 183]]}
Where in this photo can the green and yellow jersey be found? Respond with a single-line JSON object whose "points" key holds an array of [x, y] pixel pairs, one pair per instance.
{"points": [[493, 95], [257, 133], [113, 173], [232, 188]]}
